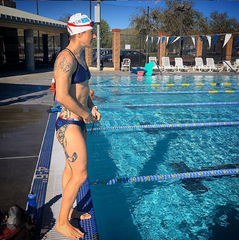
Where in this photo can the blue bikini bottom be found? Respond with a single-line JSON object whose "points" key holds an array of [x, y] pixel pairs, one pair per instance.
{"points": [[62, 121]]}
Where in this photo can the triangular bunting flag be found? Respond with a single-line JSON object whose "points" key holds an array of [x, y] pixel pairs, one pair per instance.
{"points": [[202, 38], [163, 38], [209, 38], [167, 40], [152, 39], [147, 38], [171, 40], [176, 39], [193, 40], [158, 40], [215, 38], [227, 37], [236, 40], [182, 38], [155, 39]]}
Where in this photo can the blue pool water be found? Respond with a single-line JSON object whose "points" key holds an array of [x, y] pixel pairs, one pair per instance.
{"points": [[171, 209]]}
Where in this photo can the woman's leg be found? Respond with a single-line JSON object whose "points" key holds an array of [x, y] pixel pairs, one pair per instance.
{"points": [[67, 174], [75, 173]]}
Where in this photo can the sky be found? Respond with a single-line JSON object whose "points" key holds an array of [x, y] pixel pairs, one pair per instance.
{"points": [[118, 13]]}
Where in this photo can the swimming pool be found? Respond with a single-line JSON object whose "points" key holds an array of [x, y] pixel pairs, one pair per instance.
{"points": [[171, 209]]}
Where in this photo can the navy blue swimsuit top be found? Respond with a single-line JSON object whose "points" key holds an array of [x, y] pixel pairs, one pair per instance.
{"points": [[81, 74]]}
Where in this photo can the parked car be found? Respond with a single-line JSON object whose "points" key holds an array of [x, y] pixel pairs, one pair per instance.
{"points": [[103, 52], [235, 51], [137, 58]]}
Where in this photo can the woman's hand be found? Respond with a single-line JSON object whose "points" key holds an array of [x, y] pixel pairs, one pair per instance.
{"points": [[96, 114], [89, 119]]}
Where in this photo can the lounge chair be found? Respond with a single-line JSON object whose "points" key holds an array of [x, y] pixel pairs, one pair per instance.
{"points": [[125, 64], [179, 65], [154, 60], [227, 65], [211, 65], [236, 63], [199, 65], [166, 64]]}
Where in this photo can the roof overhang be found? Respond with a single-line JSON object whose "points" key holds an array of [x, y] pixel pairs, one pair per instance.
{"points": [[14, 18]]}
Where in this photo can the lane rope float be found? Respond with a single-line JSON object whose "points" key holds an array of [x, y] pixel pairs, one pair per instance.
{"points": [[169, 85], [170, 126], [172, 104], [178, 92], [186, 175]]}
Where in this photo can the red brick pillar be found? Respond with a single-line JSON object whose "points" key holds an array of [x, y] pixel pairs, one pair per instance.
{"points": [[88, 56], [227, 51], [116, 48], [199, 45], [162, 47]]}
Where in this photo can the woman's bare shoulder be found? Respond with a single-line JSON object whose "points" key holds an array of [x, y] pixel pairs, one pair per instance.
{"points": [[64, 63]]}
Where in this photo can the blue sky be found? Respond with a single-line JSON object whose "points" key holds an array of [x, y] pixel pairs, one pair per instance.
{"points": [[118, 13]]}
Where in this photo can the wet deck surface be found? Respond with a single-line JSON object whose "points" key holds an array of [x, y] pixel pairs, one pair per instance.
{"points": [[24, 100], [21, 131]]}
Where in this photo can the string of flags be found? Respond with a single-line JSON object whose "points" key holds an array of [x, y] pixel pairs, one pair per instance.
{"points": [[207, 38]]}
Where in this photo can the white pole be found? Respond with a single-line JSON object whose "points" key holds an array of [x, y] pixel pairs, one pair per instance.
{"points": [[97, 20]]}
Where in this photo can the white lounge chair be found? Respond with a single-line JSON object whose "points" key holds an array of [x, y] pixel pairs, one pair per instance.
{"points": [[125, 64], [154, 60], [199, 65], [166, 64], [179, 65], [236, 63], [211, 66], [227, 65]]}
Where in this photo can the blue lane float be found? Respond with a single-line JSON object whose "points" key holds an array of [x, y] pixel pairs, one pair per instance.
{"points": [[168, 84], [170, 126], [178, 92], [158, 177], [172, 104]]}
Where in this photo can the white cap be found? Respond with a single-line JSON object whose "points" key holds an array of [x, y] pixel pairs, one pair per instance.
{"points": [[79, 23]]}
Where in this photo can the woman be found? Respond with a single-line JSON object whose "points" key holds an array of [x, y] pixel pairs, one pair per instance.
{"points": [[72, 91]]}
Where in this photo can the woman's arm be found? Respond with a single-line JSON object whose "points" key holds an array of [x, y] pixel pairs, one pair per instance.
{"points": [[63, 70], [90, 103], [93, 109]]}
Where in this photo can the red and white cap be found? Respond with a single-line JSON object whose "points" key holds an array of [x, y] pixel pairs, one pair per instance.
{"points": [[79, 23]]}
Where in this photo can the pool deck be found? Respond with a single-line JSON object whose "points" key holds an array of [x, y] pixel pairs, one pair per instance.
{"points": [[47, 186], [36, 149]]}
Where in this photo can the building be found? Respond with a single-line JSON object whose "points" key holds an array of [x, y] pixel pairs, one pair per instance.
{"points": [[26, 39]]}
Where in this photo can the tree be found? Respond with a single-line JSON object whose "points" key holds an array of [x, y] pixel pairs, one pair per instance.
{"points": [[105, 35], [143, 22], [65, 17], [221, 23], [169, 19]]}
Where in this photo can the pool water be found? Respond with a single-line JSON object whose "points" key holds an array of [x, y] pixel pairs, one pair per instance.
{"points": [[170, 209]]}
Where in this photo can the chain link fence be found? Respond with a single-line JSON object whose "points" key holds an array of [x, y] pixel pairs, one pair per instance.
{"points": [[54, 48], [184, 48], [132, 46]]}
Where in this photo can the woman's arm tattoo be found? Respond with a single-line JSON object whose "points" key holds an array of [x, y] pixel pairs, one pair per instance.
{"points": [[63, 65]]}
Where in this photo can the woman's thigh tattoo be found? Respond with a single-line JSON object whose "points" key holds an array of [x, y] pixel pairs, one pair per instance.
{"points": [[61, 136], [72, 158]]}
